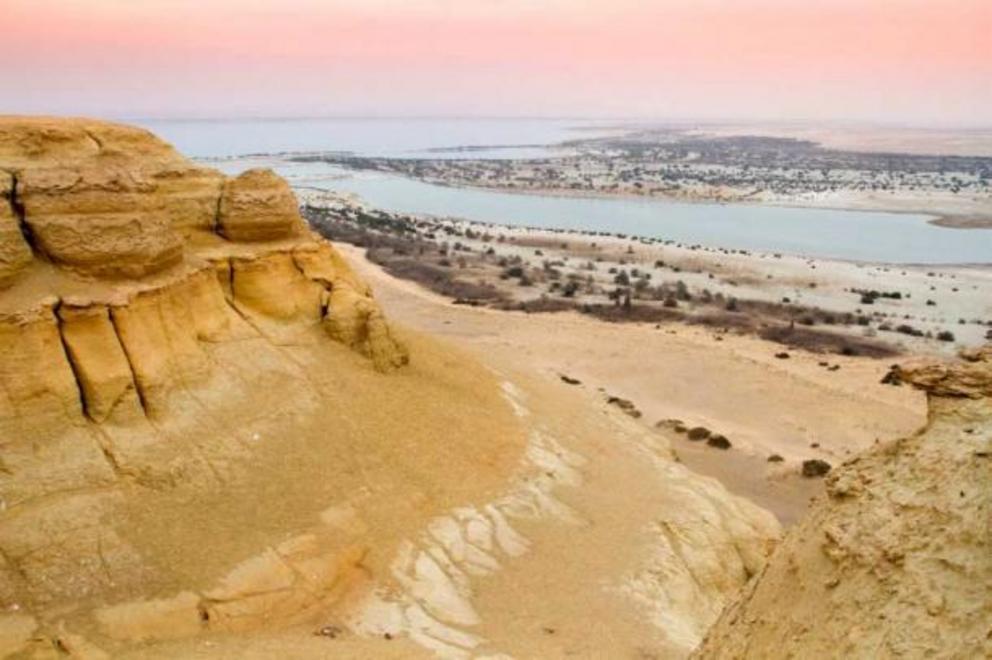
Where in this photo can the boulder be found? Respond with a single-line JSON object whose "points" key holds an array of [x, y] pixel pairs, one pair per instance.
{"points": [[815, 468], [698, 433], [258, 205], [718, 441]]}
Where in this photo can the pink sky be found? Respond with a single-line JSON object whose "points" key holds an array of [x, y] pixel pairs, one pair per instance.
{"points": [[909, 61]]}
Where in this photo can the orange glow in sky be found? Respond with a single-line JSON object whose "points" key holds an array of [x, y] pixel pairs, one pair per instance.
{"points": [[907, 61]]}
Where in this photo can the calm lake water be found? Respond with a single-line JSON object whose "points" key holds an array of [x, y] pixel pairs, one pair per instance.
{"points": [[849, 235]]}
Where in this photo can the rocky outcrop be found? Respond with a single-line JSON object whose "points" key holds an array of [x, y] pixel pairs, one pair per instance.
{"points": [[106, 201], [139, 333], [258, 206], [897, 560]]}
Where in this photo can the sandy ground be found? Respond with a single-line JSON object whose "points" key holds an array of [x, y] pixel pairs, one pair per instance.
{"points": [[734, 386]]}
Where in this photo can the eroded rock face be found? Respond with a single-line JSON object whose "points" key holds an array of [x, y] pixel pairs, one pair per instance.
{"points": [[121, 313], [104, 199], [143, 352], [101, 219], [15, 254], [258, 205], [897, 561], [114, 202]]}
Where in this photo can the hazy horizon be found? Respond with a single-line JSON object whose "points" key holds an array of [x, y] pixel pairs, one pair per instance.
{"points": [[645, 120], [924, 63]]}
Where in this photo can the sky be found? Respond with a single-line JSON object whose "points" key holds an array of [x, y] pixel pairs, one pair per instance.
{"points": [[913, 62]]}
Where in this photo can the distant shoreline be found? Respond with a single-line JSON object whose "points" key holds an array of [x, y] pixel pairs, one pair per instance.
{"points": [[936, 218]]}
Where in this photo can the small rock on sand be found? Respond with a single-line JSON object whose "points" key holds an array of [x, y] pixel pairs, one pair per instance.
{"points": [[625, 405], [699, 433], [676, 425], [719, 441], [815, 468]]}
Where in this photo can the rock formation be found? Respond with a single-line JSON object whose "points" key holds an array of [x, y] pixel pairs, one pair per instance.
{"points": [[140, 336], [257, 206], [105, 202], [897, 560], [208, 427]]}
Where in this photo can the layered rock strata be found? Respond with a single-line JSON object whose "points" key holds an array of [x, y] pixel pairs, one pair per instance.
{"points": [[145, 303], [132, 276]]}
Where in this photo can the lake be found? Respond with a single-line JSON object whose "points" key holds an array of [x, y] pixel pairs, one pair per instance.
{"points": [[850, 235]]}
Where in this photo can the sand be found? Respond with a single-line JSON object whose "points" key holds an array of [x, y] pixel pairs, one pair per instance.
{"points": [[735, 386]]}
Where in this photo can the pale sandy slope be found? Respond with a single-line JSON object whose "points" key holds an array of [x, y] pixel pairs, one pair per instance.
{"points": [[735, 386]]}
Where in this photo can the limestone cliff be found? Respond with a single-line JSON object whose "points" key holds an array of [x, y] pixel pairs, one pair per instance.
{"points": [[897, 560], [103, 202], [153, 315]]}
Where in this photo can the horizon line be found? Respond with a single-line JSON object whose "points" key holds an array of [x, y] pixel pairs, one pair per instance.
{"points": [[836, 121]]}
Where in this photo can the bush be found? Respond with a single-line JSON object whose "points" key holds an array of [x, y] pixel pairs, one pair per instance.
{"points": [[570, 289]]}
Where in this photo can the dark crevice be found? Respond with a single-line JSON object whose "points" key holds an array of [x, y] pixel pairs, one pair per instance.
{"points": [[97, 141], [204, 613], [230, 277], [111, 459], [215, 226], [17, 207], [232, 303], [234, 306], [60, 646], [74, 368], [142, 399]]}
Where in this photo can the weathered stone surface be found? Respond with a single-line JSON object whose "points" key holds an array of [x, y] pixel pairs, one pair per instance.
{"points": [[897, 560], [144, 349], [101, 218], [258, 205], [969, 378], [357, 322], [273, 287], [36, 382], [15, 254], [105, 199], [164, 618], [98, 361], [15, 633]]}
